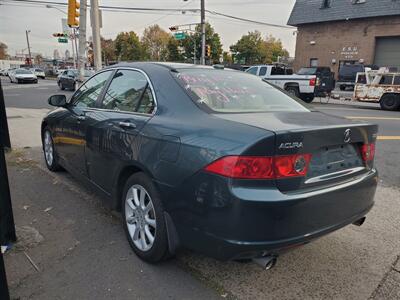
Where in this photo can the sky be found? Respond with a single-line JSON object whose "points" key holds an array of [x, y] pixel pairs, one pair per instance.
{"points": [[43, 22]]}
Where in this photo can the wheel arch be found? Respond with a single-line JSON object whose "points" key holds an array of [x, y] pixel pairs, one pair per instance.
{"points": [[291, 84]]}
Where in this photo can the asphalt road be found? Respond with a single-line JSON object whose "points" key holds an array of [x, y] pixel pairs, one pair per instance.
{"points": [[353, 263]]}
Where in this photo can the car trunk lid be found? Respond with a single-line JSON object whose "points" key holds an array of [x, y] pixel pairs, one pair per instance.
{"points": [[334, 144]]}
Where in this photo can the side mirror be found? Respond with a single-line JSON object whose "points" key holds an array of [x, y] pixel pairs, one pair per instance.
{"points": [[58, 100]]}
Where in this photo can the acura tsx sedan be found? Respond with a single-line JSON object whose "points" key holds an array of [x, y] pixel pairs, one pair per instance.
{"points": [[217, 161]]}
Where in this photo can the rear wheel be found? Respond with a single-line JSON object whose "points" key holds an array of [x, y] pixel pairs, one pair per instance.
{"points": [[143, 219], [390, 102], [342, 87], [293, 90], [308, 98]]}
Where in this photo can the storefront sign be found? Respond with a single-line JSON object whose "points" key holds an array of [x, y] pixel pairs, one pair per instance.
{"points": [[349, 52]]}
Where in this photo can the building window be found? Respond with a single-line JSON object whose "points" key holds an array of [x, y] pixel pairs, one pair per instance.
{"points": [[326, 4], [314, 62]]}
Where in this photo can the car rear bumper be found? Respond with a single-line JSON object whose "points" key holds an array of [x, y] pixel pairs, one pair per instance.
{"points": [[27, 80], [242, 222]]}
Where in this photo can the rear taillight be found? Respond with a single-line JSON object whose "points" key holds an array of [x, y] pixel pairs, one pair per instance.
{"points": [[368, 152], [254, 167], [313, 81]]}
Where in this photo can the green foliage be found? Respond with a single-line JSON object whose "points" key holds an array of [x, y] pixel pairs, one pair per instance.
{"points": [[128, 47], [108, 51], [253, 49], [173, 51], [155, 43]]}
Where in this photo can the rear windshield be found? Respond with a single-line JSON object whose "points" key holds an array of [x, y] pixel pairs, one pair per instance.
{"points": [[351, 69], [307, 71], [234, 92], [39, 70]]}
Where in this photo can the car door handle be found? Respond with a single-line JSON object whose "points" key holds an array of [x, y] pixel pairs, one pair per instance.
{"points": [[127, 125]]}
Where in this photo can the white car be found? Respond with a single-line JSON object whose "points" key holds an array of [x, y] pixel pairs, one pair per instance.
{"points": [[300, 86], [39, 73], [22, 76]]}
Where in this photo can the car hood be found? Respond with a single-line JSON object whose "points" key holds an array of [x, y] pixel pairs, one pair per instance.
{"points": [[289, 121]]}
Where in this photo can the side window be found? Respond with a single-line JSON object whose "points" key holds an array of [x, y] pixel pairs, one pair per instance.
{"points": [[277, 71], [71, 73], [386, 80], [263, 71], [65, 73], [252, 70], [396, 80], [88, 93], [129, 91]]}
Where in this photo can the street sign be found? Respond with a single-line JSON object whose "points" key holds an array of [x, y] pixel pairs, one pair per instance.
{"points": [[63, 40], [180, 36]]}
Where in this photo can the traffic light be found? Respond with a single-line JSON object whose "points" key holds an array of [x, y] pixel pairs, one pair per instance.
{"points": [[73, 13], [174, 28], [208, 50], [60, 35]]}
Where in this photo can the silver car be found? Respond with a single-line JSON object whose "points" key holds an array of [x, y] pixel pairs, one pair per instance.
{"points": [[22, 76]]}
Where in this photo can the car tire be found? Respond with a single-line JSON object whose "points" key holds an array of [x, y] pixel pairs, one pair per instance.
{"points": [[144, 222], [293, 90], [307, 98], [342, 87], [390, 102], [49, 151]]}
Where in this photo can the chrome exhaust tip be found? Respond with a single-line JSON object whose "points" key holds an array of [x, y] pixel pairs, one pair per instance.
{"points": [[360, 221], [266, 262]]}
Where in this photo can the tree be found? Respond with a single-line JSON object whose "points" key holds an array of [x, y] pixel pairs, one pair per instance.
{"points": [[173, 51], [108, 51], [3, 51], [38, 59], [128, 47], [248, 50], [155, 42], [253, 49], [212, 39]]}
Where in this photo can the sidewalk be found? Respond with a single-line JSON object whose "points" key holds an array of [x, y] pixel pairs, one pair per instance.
{"points": [[77, 248]]}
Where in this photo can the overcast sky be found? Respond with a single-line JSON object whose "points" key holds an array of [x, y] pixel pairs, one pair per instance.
{"points": [[43, 22]]}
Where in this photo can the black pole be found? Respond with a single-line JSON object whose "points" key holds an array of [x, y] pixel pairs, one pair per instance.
{"points": [[7, 226]]}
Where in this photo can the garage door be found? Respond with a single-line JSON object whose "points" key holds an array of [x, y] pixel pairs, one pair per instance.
{"points": [[387, 52]]}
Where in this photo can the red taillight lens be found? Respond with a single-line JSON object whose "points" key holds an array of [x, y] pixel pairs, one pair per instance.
{"points": [[244, 167], [291, 165], [249, 167], [313, 81], [368, 152]]}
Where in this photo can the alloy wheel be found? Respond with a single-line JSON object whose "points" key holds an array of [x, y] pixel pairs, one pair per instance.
{"points": [[48, 148], [140, 217]]}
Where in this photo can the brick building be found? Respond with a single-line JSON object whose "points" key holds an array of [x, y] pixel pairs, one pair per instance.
{"points": [[336, 32]]}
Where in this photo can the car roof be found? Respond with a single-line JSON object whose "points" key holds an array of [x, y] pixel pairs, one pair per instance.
{"points": [[174, 66]]}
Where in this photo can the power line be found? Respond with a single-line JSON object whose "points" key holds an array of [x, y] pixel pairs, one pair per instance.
{"points": [[146, 9]]}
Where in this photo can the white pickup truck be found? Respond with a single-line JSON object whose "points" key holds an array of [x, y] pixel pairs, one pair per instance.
{"points": [[301, 86]]}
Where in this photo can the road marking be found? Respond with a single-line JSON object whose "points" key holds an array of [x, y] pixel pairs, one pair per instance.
{"points": [[388, 138], [373, 118]]}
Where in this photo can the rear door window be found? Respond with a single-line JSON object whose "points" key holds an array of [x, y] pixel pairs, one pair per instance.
{"points": [[129, 91], [263, 71], [277, 71]]}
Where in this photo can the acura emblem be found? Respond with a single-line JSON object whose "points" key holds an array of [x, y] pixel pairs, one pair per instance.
{"points": [[347, 136]]}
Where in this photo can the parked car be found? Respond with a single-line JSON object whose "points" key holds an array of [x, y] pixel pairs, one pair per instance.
{"points": [[39, 73], [3, 72], [300, 86], [347, 75], [325, 78], [22, 76], [380, 87], [69, 79], [214, 160]]}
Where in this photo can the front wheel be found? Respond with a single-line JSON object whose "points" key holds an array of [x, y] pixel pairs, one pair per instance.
{"points": [[143, 219], [390, 102], [50, 155]]}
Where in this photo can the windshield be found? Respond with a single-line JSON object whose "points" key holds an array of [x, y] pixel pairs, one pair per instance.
{"points": [[87, 73], [307, 71], [22, 71], [235, 92]]}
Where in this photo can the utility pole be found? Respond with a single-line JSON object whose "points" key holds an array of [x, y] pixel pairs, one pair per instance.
{"points": [[203, 33], [29, 47], [82, 39], [95, 20], [73, 51]]}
